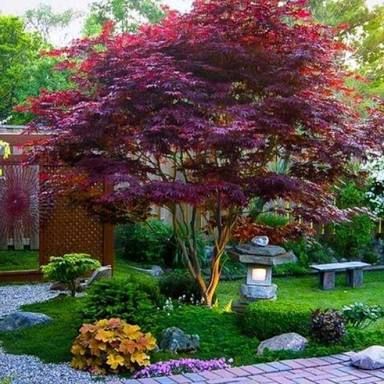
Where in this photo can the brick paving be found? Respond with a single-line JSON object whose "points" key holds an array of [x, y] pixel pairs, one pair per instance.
{"points": [[334, 369]]}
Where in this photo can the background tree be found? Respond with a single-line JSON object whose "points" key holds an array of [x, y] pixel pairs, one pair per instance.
{"points": [[363, 28], [127, 14], [18, 48], [23, 71], [44, 20], [190, 113]]}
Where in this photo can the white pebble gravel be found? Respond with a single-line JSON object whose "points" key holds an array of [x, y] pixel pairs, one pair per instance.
{"points": [[12, 297], [22, 369]]}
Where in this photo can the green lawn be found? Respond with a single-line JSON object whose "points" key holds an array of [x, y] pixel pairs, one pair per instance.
{"points": [[19, 260], [219, 332], [305, 289]]}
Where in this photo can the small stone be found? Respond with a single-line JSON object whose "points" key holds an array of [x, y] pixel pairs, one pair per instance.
{"points": [[285, 342], [175, 340], [58, 286], [261, 241], [370, 358], [19, 320]]}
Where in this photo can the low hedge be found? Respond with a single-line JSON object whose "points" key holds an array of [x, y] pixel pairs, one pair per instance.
{"points": [[265, 319]]}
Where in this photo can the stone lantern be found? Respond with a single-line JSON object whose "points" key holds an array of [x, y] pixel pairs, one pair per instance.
{"points": [[259, 261]]}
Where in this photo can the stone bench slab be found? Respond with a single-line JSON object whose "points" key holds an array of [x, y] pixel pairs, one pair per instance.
{"points": [[340, 266]]}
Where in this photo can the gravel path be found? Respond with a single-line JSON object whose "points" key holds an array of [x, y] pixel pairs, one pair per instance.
{"points": [[22, 369], [12, 297]]}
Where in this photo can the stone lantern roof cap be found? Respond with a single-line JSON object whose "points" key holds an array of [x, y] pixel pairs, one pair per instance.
{"points": [[268, 255]]}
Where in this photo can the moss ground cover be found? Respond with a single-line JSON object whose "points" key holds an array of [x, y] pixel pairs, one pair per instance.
{"points": [[220, 333]]}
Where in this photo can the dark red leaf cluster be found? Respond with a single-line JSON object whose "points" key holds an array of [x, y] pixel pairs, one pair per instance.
{"points": [[198, 106]]}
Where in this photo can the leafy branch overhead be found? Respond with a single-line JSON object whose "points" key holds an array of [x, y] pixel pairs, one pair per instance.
{"points": [[193, 111]]}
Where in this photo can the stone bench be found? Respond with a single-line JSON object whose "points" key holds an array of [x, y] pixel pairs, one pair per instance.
{"points": [[354, 273]]}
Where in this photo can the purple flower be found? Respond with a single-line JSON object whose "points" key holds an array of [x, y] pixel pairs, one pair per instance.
{"points": [[174, 367]]}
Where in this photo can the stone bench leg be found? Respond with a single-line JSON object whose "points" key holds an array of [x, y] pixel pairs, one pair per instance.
{"points": [[327, 280], [355, 277]]}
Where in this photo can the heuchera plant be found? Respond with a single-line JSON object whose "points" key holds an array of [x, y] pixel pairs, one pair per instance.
{"points": [[189, 114], [111, 345]]}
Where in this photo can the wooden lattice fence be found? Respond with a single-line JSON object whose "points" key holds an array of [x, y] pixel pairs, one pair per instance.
{"points": [[65, 229]]}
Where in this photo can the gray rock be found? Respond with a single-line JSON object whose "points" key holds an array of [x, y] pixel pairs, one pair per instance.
{"points": [[370, 358], [286, 342], [19, 320], [104, 272], [175, 340], [155, 270]]}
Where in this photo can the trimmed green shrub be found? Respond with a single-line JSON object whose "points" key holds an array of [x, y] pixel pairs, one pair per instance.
{"points": [[147, 242], [265, 319], [66, 269], [327, 326], [273, 220], [179, 284], [133, 299]]}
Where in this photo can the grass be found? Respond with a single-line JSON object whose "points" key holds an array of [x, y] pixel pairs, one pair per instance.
{"points": [[305, 289], [19, 260], [51, 342], [219, 332]]}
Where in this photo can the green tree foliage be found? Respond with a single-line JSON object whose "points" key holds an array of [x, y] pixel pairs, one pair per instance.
{"points": [[364, 30], [23, 71], [44, 20], [127, 14], [18, 48]]}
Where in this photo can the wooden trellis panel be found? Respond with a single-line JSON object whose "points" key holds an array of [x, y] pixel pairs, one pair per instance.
{"points": [[69, 230], [66, 229]]}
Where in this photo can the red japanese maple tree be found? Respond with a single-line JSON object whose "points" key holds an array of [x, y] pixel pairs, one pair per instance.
{"points": [[190, 113]]}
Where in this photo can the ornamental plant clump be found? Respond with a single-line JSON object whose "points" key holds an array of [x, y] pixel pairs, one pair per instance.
{"points": [[176, 367], [111, 346], [360, 315], [190, 114], [66, 269], [328, 326]]}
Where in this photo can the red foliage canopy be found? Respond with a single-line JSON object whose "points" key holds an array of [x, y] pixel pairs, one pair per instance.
{"points": [[195, 109]]}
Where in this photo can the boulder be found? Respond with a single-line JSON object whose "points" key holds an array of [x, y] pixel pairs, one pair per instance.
{"points": [[175, 340], [19, 320], [104, 272], [370, 358], [286, 342]]}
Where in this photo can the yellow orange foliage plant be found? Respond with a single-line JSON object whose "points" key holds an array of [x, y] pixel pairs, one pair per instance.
{"points": [[111, 345]]}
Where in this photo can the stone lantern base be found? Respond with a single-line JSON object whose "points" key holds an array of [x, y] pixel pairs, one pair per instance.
{"points": [[258, 292]]}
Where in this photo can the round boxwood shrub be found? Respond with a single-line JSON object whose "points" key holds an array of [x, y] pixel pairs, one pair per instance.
{"points": [[179, 284], [133, 299], [265, 319]]}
